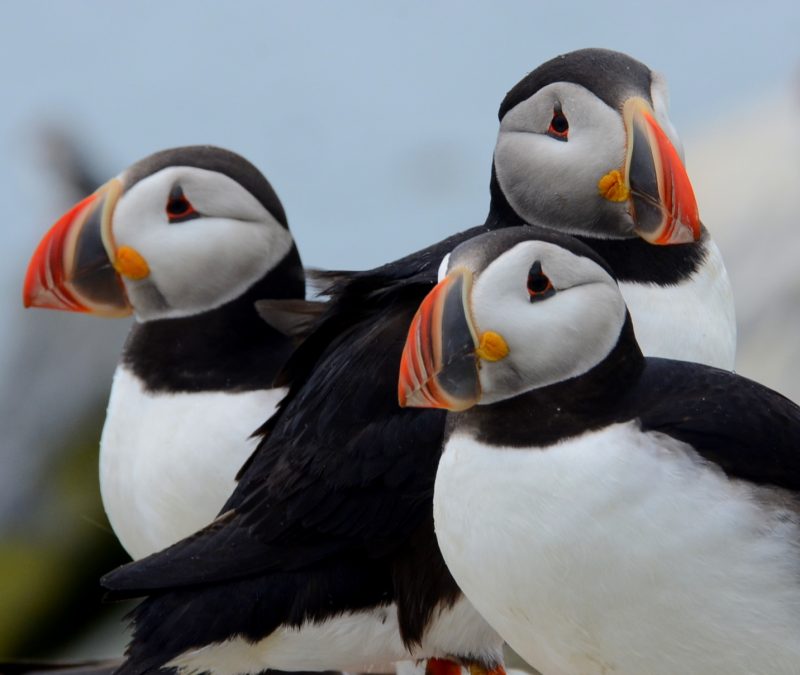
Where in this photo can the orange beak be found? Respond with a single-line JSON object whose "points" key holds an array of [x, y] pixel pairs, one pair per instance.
{"points": [[72, 267], [439, 366], [662, 200]]}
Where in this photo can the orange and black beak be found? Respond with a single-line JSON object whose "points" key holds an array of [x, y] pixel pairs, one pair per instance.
{"points": [[655, 182], [441, 358], [73, 268]]}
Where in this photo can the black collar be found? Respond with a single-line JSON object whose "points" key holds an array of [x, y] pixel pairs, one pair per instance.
{"points": [[229, 348], [541, 417], [632, 260]]}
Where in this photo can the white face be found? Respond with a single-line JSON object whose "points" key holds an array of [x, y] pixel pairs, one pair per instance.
{"points": [[203, 262], [551, 179], [550, 339]]}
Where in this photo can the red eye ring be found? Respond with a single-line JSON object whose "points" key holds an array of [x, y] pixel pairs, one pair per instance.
{"points": [[539, 284], [559, 125], [179, 208]]}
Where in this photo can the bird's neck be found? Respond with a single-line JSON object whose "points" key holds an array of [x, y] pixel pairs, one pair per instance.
{"points": [[500, 212], [229, 348], [638, 261], [632, 259], [540, 417]]}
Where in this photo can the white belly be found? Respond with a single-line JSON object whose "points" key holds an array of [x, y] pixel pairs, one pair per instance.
{"points": [[691, 321], [358, 641], [621, 554], [168, 461]]}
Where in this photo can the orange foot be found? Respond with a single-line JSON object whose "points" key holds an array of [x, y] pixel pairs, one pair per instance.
{"points": [[480, 670], [442, 667]]}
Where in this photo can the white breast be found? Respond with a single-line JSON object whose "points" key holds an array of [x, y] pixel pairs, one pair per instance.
{"points": [[168, 461], [691, 321], [354, 641], [618, 552]]}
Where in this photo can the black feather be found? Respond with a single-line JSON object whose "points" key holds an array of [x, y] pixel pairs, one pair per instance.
{"points": [[328, 516], [229, 348], [293, 318]]}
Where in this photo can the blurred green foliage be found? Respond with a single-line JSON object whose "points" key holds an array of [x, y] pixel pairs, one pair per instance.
{"points": [[61, 544]]}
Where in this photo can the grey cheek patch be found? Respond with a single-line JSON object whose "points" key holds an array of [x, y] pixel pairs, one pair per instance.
{"points": [[149, 298]]}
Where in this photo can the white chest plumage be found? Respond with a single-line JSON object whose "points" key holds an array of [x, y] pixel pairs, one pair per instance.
{"points": [[167, 478], [690, 321], [621, 552]]}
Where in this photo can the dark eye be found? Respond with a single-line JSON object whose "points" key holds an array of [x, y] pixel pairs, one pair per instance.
{"points": [[539, 285], [559, 126], [179, 208]]}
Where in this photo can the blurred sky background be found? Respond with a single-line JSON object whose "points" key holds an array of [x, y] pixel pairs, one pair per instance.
{"points": [[375, 122]]}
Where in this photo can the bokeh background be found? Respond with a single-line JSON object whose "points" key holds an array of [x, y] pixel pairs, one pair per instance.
{"points": [[375, 122]]}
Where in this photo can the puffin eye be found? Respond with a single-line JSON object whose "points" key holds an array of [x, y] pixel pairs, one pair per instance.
{"points": [[539, 285], [559, 126], [179, 208]]}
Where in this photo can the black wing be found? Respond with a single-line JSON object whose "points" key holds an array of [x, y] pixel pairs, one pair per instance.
{"points": [[333, 512], [749, 431], [293, 318], [343, 471]]}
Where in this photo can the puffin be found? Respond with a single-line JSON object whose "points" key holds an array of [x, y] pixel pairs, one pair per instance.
{"points": [[586, 146], [188, 240], [606, 512], [325, 553]]}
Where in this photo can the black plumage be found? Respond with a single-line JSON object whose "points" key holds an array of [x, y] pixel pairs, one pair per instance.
{"points": [[328, 516], [229, 348]]}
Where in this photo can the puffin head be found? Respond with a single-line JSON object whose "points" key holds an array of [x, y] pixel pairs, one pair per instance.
{"points": [[516, 309], [585, 142], [181, 232]]}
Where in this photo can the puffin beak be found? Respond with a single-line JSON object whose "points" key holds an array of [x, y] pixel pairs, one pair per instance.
{"points": [[655, 181], [441, 357], [74, 267]]}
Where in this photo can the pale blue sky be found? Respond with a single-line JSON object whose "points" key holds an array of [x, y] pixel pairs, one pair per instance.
{"points": [[374, 120]]}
